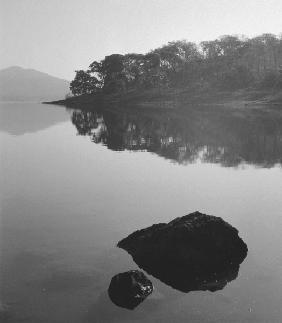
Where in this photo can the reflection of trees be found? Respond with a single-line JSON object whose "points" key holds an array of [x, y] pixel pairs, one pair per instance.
{"points": [[91, 124], [208, 136]]}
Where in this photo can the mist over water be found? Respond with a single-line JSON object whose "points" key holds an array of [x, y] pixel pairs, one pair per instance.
{"points": [[74, 183]]}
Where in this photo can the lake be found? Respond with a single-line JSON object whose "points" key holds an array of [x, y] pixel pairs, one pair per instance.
{"points": [[74, 183]]}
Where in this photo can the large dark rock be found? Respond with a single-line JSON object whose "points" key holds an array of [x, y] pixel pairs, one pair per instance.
{"points": [[129, 289], [194, 252]]}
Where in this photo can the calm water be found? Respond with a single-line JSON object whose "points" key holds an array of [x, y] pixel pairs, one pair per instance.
{"points": [[74, 183]]}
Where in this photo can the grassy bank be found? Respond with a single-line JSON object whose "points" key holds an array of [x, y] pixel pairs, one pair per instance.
{"points": [[176, 98]]}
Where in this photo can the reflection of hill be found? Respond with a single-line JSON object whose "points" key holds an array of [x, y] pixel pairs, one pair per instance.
{"points": [[209, 135], [20, 118]]}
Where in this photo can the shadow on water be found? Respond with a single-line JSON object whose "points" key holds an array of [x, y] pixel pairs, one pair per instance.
{"points": [[187, 279], [206, 134]]}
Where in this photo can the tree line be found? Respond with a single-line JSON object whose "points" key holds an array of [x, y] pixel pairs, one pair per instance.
{"points": [[227, 63]]}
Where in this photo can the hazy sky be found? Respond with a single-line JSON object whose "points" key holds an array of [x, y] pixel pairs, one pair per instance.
{"points": [[60, 36]]}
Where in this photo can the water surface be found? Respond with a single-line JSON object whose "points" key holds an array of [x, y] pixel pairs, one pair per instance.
{"points": [[74, 183]]}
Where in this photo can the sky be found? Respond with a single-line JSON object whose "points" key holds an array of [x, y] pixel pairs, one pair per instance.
{"points": [[61, 36]]}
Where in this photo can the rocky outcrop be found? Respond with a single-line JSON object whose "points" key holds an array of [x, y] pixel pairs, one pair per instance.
{"points": [[129, 289], [193, 252]]}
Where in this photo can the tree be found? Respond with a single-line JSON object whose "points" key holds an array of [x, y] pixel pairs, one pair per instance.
{"points": [[112, 73], [96, 69], [229, 62], [133, 69], [84, 83]]}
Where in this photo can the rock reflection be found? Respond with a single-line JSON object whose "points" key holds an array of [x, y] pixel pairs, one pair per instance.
{"points": [[213, 135], [194, 252], [186, 280]]}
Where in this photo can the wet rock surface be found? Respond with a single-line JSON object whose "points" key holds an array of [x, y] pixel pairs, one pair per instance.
{"points": [[193, 252], [129, 289]]}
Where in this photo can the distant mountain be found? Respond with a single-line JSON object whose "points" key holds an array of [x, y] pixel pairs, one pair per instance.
{"points": [[20, 84]]}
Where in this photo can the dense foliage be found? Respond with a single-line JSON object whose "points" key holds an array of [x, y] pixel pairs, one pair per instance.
{"points": [[228, 63]]}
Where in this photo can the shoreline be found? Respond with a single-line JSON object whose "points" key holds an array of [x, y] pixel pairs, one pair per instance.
{"points": [[174, 99]]}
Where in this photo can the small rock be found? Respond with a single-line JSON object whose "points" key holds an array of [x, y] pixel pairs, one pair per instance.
{"points": [[129, 289]]}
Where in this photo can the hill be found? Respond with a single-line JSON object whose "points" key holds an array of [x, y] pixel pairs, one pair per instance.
{"points": [[20, 84]]}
